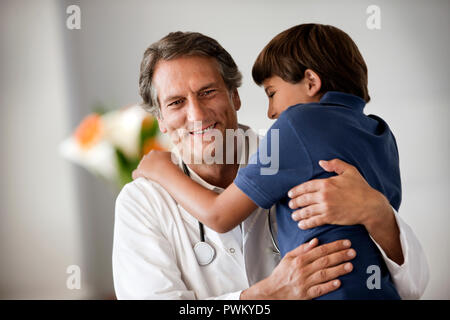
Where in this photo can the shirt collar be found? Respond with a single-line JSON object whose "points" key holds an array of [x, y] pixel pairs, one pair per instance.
{"points": [[343, 99]]}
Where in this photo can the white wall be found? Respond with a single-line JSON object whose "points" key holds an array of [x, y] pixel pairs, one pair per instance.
{"points": [[39, 227], [408, 82]]}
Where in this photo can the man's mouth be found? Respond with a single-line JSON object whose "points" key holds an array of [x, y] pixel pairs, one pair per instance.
{"points": [[204, 129]]}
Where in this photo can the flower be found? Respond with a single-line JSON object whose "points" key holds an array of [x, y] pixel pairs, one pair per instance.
{"points": [[89, 131], [123, 128], [111, 145]]}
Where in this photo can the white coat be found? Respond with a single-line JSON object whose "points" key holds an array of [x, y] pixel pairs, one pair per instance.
{"points": [[153, 256]]}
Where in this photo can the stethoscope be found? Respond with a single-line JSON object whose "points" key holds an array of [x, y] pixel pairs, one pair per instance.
{"points": [[204, 252], [275, 245]]}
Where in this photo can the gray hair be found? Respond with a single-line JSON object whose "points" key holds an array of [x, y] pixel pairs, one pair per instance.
{"points": [[178, 44]]}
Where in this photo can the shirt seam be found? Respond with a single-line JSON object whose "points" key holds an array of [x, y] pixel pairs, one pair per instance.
{"points": [[261, 193], [301, 140]]}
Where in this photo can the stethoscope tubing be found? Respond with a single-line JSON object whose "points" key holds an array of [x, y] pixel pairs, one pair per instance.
{"points": [[204, 252], [202, 227]]}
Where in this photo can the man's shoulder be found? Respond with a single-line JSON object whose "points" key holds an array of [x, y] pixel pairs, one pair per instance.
{"points": [[145, 198], [140, 189]]}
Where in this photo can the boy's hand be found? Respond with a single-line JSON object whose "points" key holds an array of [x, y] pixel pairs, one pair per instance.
{"points": [[153, 165]]}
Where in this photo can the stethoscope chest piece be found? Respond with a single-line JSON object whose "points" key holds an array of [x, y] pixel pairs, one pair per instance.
{"points": [[204, 253]]}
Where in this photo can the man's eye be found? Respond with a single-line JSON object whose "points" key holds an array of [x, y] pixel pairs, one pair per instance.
{"points": [[270, 95], [175, 103], [207, 92]]}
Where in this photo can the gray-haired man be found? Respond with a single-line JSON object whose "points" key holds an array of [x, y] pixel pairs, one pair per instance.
{"points": [[188, 78]]}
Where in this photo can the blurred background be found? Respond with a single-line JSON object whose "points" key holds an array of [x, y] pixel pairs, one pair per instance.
{"points": [[54, 214]]}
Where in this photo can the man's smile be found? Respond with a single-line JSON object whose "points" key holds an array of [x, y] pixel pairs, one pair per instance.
{"points": [[203, 130]]}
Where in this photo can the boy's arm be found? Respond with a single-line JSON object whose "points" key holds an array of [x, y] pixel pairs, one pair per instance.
{"points": [[220, 212]]}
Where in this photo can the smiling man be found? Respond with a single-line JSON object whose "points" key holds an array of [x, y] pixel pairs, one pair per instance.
{"points": [[187, 79], [196, 98]]}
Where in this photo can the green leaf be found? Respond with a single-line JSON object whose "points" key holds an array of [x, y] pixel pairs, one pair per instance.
{"points": [[125, 167], [148, 132], [99, 108]]}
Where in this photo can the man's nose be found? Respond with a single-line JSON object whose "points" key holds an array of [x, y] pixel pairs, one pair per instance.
{"points": [[195, 111]]}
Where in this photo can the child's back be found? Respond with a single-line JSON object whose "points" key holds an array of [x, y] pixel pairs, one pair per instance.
{"points": [[336, 127]]}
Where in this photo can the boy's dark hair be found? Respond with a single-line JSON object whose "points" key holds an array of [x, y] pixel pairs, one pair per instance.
{"points": [[326, 50]]}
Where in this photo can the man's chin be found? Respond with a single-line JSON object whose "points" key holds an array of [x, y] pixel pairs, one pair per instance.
{"points": [[203, 154]]}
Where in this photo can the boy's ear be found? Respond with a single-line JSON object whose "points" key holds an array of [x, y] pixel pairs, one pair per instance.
{"points": [[313, 82]]}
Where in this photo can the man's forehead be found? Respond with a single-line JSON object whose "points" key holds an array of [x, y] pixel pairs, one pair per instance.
{"points": [[186, 73]]}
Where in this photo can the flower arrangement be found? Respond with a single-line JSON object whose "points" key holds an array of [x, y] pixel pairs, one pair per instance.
{"points": [[111, 144]]}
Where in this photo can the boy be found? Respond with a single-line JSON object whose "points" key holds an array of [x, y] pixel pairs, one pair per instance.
{"points": [[316, 82]]}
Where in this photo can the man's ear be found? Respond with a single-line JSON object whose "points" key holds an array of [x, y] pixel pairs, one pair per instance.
{"points": [[162, 126], [236, 99], [313, 82]]}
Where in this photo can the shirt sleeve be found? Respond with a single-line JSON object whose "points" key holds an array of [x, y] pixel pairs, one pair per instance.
{"points": [[229, 296], [281, 162], [412, 277], [144, 263]]}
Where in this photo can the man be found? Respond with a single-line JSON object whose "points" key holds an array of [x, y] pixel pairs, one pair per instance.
{"points": [[188, 78]]}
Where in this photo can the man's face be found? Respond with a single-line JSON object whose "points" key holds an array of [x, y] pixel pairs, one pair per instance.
{"points": [[193, 97]]}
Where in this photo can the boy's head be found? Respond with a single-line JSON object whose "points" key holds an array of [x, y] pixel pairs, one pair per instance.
{"points": [[302, 63]]}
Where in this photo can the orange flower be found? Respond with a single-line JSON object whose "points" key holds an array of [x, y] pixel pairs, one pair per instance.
{"points": [[89, 131], [147, 122], [151, 144]]}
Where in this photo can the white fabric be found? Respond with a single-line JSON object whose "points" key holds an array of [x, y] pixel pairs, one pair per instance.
{"points": [[411, 278], [153, 256]]}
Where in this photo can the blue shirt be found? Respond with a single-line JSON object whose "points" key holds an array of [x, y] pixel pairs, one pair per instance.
{"points": [[335, 127]]}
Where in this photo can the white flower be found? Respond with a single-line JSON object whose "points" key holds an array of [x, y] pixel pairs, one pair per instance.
{"points": [[122, 129], [99, 159]]}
